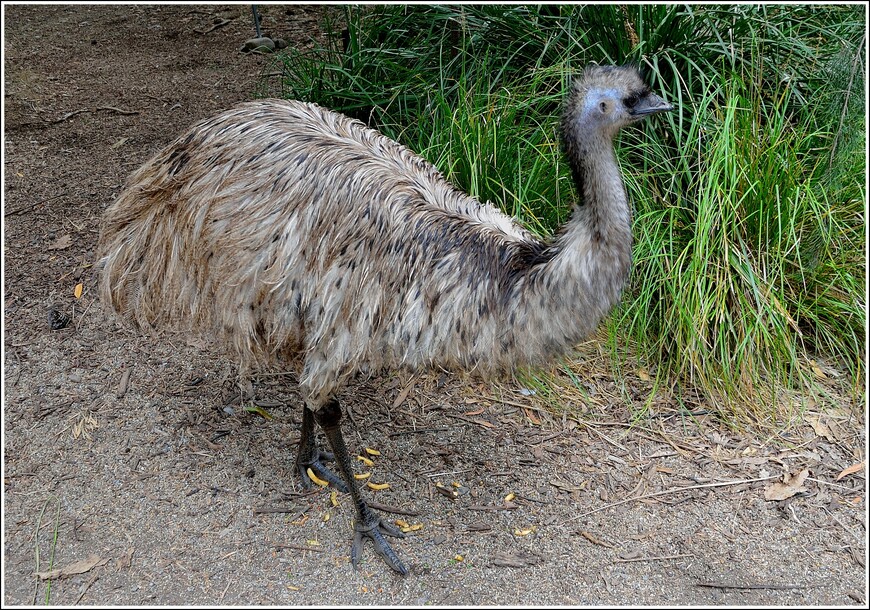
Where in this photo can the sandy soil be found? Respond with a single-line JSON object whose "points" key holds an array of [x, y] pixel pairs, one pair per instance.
{"points": [[136, 454]]}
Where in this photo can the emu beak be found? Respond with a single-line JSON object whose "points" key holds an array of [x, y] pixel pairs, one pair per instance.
{"points": [[650, 104]]}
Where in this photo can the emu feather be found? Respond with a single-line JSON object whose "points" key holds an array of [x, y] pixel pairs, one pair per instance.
{"points": [[299, 235]]}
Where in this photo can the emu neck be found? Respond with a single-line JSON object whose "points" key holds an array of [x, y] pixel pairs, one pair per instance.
{"points": [[569, 294], [602, 215], [595, 245]]}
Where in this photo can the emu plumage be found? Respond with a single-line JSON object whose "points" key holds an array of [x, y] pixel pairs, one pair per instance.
{"points": [[301, 236]]}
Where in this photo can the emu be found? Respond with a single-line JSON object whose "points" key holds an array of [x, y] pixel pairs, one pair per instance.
{"points": [[303, 237]]}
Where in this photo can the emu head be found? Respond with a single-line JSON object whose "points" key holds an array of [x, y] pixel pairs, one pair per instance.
{"points": [[605, 99]]}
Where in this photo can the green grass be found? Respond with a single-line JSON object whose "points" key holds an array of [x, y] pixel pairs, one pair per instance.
{"points": [[749, 199], [53, 548]]}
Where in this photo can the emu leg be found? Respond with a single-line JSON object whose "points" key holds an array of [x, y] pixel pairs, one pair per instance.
{"points": [[368, 523], [310, 456]]}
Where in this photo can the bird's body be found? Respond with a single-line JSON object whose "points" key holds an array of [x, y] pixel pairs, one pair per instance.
{"points": [[300, 235], [292, 230]]}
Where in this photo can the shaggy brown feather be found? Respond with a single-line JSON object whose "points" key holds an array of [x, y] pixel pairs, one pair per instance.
{"points": [[294, 232]]}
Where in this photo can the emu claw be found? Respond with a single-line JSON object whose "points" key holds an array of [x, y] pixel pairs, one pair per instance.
{"points": [[376, 532], [316, 463]]}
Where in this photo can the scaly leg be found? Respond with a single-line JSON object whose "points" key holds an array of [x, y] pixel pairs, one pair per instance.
{"points": [[310, 456], [368, 523]]}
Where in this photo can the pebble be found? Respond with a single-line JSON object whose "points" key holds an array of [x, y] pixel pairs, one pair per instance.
{"points": [[263, 44]]}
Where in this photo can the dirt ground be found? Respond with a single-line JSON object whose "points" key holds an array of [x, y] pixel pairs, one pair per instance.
{"points": [[135, 455]]}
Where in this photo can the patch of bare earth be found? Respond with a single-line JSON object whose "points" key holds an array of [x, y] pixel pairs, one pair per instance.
{"points": [[131, 464]]}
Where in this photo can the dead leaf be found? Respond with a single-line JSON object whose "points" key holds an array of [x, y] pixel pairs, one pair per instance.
{"points": [[783, 491], [446, 491], [532, 417], [850, 470], [820, 429], [515, 559], [125, 560], [259, 411], [566, 486], [79, 567], [61, 243], [630, 555], [481, 422], [403, 394]]}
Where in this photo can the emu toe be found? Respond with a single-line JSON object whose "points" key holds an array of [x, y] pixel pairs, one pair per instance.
{"points": [[315, 462], [376, 531]]}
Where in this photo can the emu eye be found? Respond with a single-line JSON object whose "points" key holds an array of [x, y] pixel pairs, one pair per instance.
{"points": [[630, 101]]}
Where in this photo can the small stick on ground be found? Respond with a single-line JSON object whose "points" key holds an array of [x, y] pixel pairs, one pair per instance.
{"points": [[671, 491], [219, 24], [85, 587], [392, 509], [295, 547], [227, 588], [418, 431], [490, 508], [657, 558], [483, 424], [30, 206], [266, 510], [124, 384], [118, 110], [69, 115], [725, 585]]}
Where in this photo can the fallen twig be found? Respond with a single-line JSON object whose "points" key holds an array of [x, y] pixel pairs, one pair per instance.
{"points": [[512, 403], [671, 491], [418, 431], [265, 510], [725, 585], [656, 558], [217, 25], [69, 115], [84, 588], [295, 547], [594, 428], [118, 110], [30, 206], [392, 509], [124, 384], [683, 452], [227, 588], [595, 540], [479, 422]]}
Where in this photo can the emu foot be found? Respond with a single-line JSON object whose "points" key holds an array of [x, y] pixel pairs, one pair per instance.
{"points": [[375, 530], [315, 462]]}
